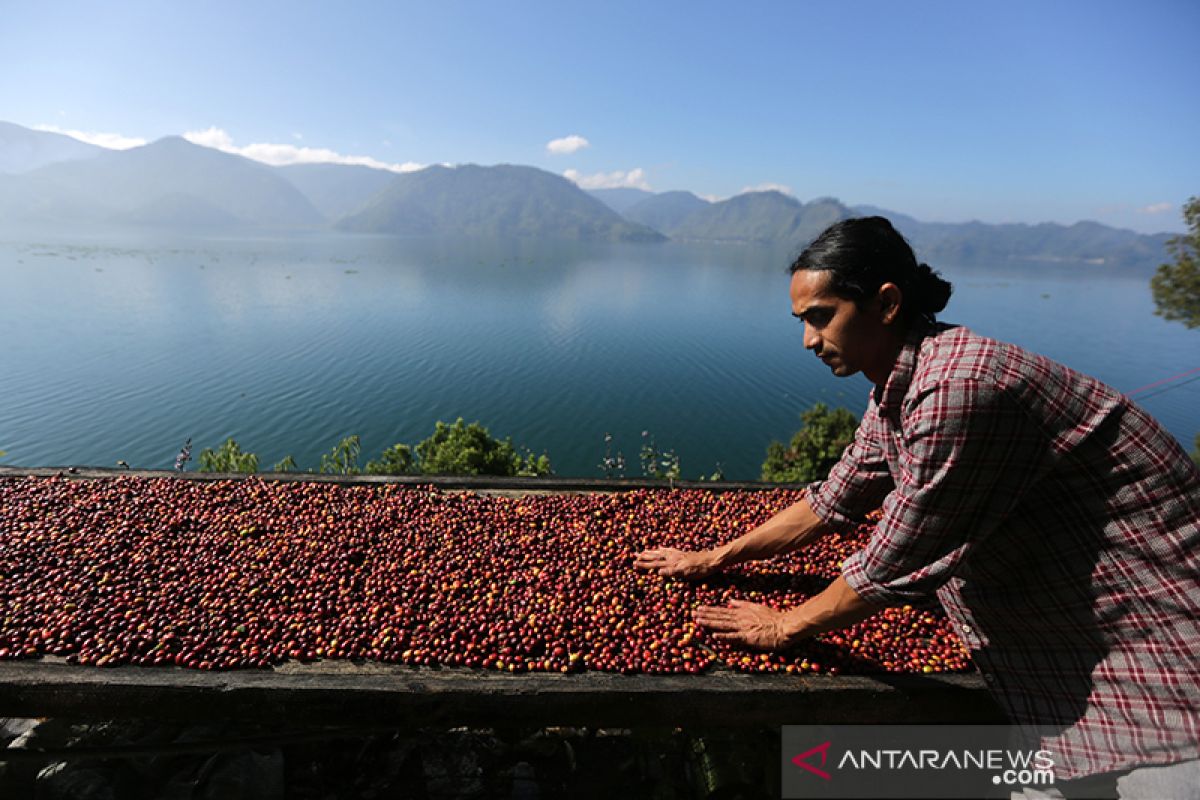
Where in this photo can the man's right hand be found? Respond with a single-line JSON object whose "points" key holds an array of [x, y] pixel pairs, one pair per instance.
{"points": [[672, 563]]}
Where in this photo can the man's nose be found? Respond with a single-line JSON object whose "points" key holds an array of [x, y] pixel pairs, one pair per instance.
{"points": [[811, 339]]}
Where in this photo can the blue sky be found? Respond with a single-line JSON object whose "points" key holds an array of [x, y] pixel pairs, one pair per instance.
{"points": [[1004, 112]]}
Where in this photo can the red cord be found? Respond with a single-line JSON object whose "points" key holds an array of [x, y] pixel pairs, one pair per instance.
{"points": [[1164, 380]]}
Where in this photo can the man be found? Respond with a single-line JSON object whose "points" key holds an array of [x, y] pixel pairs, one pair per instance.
{"points": [[1057, 522]]}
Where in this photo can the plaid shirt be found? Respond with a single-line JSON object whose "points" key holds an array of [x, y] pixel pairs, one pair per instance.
{"points": [[1059, 526]]}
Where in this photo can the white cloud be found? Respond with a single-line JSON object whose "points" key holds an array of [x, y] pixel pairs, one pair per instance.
{"points": [[567, 145], [631, 179], [768, 187], [1156, 208], [113, 141], [215, 138], [278, 155]]}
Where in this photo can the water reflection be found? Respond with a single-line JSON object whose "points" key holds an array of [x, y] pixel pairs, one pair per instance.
{"points": [[289, 345]]}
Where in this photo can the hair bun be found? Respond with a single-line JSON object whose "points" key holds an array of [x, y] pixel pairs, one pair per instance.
{"points": [[931, 290]]}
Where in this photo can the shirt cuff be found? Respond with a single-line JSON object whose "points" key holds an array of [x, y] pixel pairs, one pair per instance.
{"points": [[826, 509], [854, 572]]}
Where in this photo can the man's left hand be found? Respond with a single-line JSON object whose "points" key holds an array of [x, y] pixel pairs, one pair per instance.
{"points": [[749, 624]]}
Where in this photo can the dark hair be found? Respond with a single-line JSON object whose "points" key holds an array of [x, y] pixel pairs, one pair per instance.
{"points": [[864, 253]]}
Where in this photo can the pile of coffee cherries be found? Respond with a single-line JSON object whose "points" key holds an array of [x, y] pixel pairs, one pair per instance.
{"points": [[250, 573]]}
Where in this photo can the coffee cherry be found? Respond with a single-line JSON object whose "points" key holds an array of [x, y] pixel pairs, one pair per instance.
{"points": [[247, 574]]}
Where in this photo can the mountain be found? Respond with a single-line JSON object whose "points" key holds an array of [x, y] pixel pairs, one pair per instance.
{"points": [[665, 211], [337, 190], [53, 181], [180, 210], [762, 217], [898, 220], [978, 242], [503, 200], [162, 183], [620, 200], [22, 149], [1090, 242]]}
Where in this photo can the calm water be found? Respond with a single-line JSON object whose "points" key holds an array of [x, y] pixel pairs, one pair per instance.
{"points": [[122, 348]]}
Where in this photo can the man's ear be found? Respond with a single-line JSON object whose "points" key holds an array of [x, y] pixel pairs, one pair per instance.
{"points": [[890, 298]]}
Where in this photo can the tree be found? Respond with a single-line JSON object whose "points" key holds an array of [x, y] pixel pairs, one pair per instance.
{"points": [[343, 459], [229, 458], [462, 449], [814, 449], [1176, 287], [396, 460]]}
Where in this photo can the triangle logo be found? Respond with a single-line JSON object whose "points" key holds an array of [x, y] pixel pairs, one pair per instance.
{"points": [[802, 760]]}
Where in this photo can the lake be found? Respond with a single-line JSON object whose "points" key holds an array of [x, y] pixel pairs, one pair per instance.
{"points": [[122, 347]]}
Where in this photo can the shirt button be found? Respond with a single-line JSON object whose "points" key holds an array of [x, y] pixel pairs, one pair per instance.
{"points": [[966, 629]]}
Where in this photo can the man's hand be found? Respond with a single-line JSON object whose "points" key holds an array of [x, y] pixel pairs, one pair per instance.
{"points": [[672, 563], [749, 624]]}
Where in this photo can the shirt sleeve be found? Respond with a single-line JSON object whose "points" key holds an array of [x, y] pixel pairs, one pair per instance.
{"points": [[859, 481], [967, 454]]}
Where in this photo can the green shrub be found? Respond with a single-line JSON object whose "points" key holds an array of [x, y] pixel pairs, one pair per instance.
{"points": [[288, 464], [462, 449], [814, 449], [343, 459], [396, 460], [660, 464], [228, 458]]}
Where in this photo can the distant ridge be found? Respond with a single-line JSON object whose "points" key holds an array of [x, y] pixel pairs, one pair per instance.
{"points": [[621, 199], [53, 181], [503, 200], [337, 190], [23, 150], [761, 217], [976, 242], [123, 186], [665, 211]]}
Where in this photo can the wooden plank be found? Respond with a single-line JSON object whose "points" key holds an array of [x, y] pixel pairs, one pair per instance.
{"points": [[337, 692], [484, 484]]}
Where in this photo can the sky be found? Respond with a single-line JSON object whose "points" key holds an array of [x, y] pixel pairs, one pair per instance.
{"points": [[1009, 111]]}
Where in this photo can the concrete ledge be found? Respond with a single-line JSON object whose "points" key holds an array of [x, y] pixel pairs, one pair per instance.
{"points": [[482, 483], [340, 692]]}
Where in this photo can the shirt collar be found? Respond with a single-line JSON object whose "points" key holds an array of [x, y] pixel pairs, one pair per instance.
{"points": [[888, 396]]}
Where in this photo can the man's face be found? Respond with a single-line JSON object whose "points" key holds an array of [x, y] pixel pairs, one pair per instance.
{"points": [[848, 339]]}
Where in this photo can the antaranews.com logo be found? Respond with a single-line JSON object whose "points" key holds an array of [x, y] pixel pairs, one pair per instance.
{"points": [[912, 761]]}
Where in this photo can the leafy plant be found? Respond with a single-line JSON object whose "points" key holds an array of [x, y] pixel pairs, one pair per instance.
{"points": [[462, 449], [288, 464], [343, 459], [613, 466], [533, 466], [661, 464], [1176, 286], [814, 449], [228, 458], [396, 460]]}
